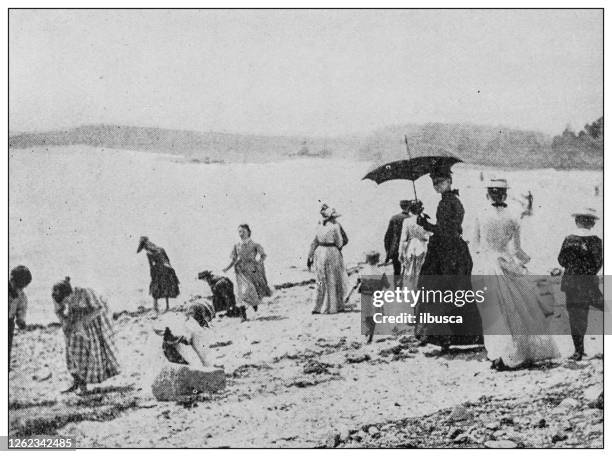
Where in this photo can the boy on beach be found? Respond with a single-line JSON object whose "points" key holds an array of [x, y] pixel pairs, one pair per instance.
{"points": [[582, 257], [372, 278]]}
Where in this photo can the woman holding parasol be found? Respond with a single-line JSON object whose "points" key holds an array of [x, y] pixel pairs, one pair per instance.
{"points": [[447, 266]]}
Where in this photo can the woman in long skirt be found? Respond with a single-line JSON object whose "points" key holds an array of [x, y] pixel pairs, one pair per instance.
{"points": [[413, 247], [514, 319], [447, 267], [90, 351], [326, 256], [247, 258], [164, 282]]}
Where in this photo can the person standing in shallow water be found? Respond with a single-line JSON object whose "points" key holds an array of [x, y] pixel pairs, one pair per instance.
{"points": [[164, 282], [247, 258], [18, 302], [90, 350], [447, 266]]}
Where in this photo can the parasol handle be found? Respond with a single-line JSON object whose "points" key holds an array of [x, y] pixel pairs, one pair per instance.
{"points": [[410, 157]]}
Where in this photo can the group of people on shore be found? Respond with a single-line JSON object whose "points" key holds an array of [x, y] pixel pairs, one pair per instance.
{"points": [[91, 355], [423, 255], [513, 323]]}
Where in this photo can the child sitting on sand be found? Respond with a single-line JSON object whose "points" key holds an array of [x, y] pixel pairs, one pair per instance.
{"points": [[372, 278]]}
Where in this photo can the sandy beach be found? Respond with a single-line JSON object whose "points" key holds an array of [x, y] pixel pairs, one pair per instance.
{"points": [[295, 380]]}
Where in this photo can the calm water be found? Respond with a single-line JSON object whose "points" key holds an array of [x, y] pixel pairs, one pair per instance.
{"points": [[79, 211]]}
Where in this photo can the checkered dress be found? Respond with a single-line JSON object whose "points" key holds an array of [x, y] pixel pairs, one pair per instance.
{"points": [[90, 351]]}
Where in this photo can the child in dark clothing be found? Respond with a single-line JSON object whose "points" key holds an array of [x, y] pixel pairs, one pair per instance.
{"points": [[582, 257], [224, 298]]}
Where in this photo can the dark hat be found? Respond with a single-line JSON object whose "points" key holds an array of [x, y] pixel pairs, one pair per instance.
{"points": [[142, 243], [405, 203], [416, 206], [587, 213], [21, 276], [440, 172], [372, 256], [63, 288], [204, 275]]}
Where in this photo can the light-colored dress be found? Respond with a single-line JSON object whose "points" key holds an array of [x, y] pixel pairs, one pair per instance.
{"points": [[330, 271], [90, 350], [413, 248], [514, 325], [251, 281], [196, 351]]}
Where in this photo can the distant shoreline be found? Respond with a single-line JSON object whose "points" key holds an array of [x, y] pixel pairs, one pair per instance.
{"points": [[183, 159], [474, 144]]}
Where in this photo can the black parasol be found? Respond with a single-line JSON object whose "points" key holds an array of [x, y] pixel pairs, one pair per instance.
{"points": [[411, 169]]}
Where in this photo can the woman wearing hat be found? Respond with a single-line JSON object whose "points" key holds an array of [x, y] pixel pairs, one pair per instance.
{"points": [[247, 258], [514, 319], [326, 256], [582, 257], [164, 282], [447, 266], [90, 351], [18, 302]]}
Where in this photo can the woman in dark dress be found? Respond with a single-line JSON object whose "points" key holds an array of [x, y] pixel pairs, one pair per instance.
{"points": [[164, 282], [447, 266]]}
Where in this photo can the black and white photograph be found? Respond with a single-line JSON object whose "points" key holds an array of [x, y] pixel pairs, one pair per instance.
{"points": [[305, 228]]}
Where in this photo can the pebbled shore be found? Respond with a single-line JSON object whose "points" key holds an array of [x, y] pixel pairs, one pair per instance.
{"points": [[297, 380]]}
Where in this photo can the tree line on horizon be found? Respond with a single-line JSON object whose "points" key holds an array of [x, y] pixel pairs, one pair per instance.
{"points": [[483, 145]]}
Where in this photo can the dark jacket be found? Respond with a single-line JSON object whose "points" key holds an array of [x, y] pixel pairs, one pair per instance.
{"points": [[393, 235], [448, 266], [223, 293], [582, 258], [447, 252]]}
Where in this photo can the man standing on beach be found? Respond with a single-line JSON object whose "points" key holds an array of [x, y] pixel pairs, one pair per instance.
{"points": [[392, 239]]}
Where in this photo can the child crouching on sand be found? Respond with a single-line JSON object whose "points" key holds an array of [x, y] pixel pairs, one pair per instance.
{"points": [[371, 279]]}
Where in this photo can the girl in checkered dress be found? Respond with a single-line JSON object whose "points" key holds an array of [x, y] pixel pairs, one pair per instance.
{"points": [[90, 351]]}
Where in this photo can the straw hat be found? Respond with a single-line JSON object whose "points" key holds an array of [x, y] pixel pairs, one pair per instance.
{"points": [[586, 212], [497, 183]]}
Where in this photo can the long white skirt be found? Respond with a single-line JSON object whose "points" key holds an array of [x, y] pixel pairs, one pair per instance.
{"points": [[514, 325]]}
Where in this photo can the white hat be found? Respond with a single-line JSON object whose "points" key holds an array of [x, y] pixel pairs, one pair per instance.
{"points": [[586, 212], [328, 212], [497, 183]]}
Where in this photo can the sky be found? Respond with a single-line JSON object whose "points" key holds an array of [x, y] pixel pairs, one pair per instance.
{"points": [[309, 72]]}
